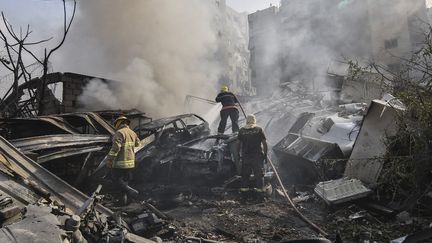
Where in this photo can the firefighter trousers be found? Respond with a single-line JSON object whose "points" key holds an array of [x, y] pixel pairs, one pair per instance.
{"points": [[233, 113], [253, 164]]}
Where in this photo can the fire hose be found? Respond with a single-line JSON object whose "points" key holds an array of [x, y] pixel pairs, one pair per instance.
{"points": [[290, 202], [314, 226]]}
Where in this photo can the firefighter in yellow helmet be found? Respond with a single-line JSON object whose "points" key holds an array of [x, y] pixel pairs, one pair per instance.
{"points": [[229, 109], [121, 157], [253, 147]]}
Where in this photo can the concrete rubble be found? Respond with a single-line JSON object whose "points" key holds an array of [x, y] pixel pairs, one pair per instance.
{"points": [[188, 179]]}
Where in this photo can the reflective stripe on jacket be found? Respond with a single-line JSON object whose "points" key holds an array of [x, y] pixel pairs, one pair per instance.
{"points": [[229, 107], [122, 151]]}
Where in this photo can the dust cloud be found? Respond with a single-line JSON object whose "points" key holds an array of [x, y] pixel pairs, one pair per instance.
{"points": [[159, 51], [314, 37]]}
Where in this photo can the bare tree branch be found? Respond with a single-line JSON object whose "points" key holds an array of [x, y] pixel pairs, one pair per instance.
{"points": [[7, 46], [33, 43], [33, 55], [66, 26], [16, 45]]}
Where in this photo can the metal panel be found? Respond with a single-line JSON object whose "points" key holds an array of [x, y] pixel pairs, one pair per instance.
{"points": [[38, 225], [91, 118], [308, 148], [59, 141], [305, 158], [22, 165], [365, 162], [67, 153], [342, 190]]}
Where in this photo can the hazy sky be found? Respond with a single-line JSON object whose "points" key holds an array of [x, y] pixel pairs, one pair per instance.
{"points": [[40, 8], [254, 5], [23, 12], [251, 5], [44, 9]]}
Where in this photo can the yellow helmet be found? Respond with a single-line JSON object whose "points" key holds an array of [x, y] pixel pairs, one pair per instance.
{"points": [[120, 120], [224, 88]]}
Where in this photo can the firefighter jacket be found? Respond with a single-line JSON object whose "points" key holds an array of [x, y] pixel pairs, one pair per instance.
{"points": [[227, 99], [122, 151]]}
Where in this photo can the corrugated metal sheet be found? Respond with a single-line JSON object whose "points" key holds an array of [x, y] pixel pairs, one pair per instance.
{"points": [[27, 168]]}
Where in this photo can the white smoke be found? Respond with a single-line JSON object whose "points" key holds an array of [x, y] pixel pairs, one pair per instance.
{"points": [[160, 50], [309, 38]]}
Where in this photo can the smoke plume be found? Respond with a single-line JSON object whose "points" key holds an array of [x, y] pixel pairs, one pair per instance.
{"points": [[309, 38], [159, 50]]}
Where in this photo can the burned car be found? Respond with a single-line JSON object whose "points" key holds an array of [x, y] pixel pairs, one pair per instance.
{"points": [[159, 139], [212, 160], [211, 157]]}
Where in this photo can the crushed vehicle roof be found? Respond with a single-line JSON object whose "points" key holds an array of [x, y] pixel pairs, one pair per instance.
{"points": [[129, 113], [156, 124]]}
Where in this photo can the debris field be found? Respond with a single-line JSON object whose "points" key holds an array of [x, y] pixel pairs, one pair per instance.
{"points": [[53, 171]]}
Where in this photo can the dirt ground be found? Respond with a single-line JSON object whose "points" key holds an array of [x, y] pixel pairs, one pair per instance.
{"points": [[225, 215]]}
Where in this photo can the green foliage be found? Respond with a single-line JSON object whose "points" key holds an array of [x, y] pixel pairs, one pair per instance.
{"points": [[408, 162], [407, 166]]}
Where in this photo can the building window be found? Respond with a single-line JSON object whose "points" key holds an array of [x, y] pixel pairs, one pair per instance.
{"points": [[390, 44]]}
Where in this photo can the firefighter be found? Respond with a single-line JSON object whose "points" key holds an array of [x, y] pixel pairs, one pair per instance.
{"points": [[253, 153], [229, 109], [121, 157]]}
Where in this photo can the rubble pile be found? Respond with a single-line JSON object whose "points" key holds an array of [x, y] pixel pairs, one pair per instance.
{"points": [[332, 157]]}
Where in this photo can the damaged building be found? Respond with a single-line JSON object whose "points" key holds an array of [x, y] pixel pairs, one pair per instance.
{"points": [[329, 136], [233, 53], [299, 41]]}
